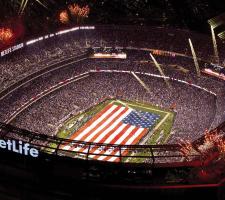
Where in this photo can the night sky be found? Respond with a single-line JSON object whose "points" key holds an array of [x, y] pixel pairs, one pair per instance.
{"points": [[191, 14]]}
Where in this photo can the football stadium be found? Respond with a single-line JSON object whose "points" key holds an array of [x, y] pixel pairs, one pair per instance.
{"points": [[89, 110]]}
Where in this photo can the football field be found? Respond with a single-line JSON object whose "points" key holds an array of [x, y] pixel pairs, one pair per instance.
{"points": [[117, 122]]}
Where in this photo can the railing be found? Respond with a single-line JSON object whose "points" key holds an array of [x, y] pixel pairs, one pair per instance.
{"points": [[151, 154]]}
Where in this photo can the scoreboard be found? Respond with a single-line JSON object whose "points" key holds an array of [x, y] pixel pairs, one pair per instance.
{"points": [[108, 52]]}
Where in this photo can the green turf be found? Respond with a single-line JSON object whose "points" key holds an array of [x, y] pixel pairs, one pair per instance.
{"points": [[160, 135], [67, 129]]}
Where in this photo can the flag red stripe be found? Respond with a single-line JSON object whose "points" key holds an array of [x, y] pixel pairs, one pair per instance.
{"points": [[74, 135], [91, 121], [120, 134], [106, 127], [137, 139], [108, 135], [125, 141], [100, 123], [115, 138]]}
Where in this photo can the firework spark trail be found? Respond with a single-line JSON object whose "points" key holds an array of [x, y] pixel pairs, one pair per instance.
{"points": [[24, 4]]}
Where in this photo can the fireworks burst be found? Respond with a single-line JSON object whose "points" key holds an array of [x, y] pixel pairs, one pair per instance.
{"points": [[6, 35], [76, 10], [79, 12], [64, 17], [186, 147]]}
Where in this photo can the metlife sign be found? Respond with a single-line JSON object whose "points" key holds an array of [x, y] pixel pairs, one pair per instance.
{"points": [[19, 147]]}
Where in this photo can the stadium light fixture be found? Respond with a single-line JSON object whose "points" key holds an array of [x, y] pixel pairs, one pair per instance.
{"points": [[216, 54], [161, 71], [141, 82], [24, 4], [194, 58]]}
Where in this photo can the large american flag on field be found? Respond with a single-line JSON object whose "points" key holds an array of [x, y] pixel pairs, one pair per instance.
{"points": [[114, 124]]}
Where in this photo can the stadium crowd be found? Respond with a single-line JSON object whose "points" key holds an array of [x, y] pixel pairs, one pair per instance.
{"points": [[196, 110], [38, 56]]}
